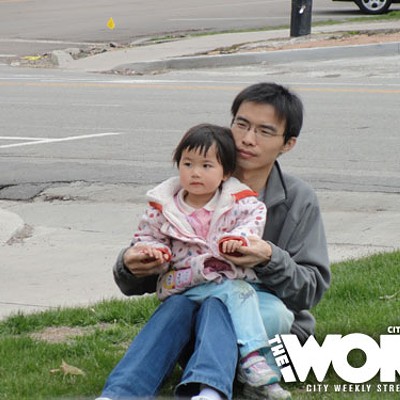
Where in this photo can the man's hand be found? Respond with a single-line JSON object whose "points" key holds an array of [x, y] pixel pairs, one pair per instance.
{"points": [[144, 261], [258, 252]]}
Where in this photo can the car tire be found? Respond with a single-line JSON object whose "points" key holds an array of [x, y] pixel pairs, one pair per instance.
{"points": [[374, 7]]}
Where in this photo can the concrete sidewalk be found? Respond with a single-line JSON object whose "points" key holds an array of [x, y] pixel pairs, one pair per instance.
{"points": [[183, 53], [61, 251]]}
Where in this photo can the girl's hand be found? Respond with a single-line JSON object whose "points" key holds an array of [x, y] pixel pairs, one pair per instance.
{"points": [[230, 246], [258, 252], [144, 261]]}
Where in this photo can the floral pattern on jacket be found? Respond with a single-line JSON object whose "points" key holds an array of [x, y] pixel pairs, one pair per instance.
{"points": [[195, 260]]}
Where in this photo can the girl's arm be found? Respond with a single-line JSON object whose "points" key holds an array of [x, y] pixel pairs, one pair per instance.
{"points": [[149, 235], [250, 221], [137, 267]]}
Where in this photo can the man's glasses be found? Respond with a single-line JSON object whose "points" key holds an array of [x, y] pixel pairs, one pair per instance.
{"points": [[263, 132]]}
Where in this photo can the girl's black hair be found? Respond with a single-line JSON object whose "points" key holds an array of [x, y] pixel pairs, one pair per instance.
{"points": [[202, 137]]}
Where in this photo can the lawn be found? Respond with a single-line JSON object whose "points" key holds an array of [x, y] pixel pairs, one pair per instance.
{"points": [[67, 353]]}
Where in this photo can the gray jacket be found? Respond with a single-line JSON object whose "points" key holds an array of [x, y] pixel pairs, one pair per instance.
{"points": [[298, 272]]}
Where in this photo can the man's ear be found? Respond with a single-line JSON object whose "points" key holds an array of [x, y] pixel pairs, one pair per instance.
{"points": [[289, 144]]}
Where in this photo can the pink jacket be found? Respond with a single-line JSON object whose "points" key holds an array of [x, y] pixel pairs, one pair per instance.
{"points": [[163, 225]]}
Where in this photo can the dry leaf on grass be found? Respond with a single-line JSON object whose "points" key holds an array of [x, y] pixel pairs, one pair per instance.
{"points": [[67, 369], [389, 296]]}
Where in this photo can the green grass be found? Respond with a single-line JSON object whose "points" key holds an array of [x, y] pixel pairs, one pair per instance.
{"points": [[361, 290], [26, 363], [390, 16], [364, 298]]}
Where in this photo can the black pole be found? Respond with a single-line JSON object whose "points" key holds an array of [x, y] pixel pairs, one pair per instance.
{"points": [[300, 19]]}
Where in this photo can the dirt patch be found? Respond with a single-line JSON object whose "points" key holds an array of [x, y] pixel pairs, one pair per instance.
{"points": [[63, 334], [313, 41]]}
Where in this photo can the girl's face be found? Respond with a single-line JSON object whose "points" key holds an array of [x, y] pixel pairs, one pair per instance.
{"points": [[200, 175]]}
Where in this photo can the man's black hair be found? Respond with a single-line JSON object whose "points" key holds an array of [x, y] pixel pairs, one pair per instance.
{"points": [[202, 137], [287, 105]]}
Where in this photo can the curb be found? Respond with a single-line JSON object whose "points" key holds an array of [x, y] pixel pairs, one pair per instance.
{"points": [[11, 223], [282, 56]]}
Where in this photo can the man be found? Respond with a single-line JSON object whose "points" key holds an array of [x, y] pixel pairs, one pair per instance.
{"points": [[291, 261]]}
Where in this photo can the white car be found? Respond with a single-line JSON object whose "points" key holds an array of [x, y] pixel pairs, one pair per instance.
{"points": [[373, 6]]}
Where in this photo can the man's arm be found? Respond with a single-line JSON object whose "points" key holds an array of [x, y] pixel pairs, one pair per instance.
{"points": [[298, 272]]}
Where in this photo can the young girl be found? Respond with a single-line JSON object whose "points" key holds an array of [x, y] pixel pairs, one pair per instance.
{"points": [[191, 222]]}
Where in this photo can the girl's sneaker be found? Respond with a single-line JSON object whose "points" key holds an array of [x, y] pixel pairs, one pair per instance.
{"points": [[268, 392], [255, 371]]}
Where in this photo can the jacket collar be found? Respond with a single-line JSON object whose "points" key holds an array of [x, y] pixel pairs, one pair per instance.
{"points": [[161, 196], [276, 191]]}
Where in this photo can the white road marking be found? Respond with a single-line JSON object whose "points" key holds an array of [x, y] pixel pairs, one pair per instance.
{"points": [[36, 141], [145, 81], [227, 19], [20, 138], [44, 41]]}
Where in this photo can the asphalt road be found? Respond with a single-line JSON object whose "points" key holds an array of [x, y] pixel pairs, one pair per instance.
{"points": [[65, 127], [38, 26]]}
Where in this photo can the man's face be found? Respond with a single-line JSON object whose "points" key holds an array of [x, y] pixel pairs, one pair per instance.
{"points": [[259, 137]]}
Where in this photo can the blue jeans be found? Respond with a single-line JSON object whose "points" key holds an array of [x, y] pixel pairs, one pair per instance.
{"points": [[278, 320], [165, 338], [241, 300]]}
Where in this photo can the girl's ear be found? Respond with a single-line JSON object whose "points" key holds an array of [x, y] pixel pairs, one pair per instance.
{"points": [[226, 177]]}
